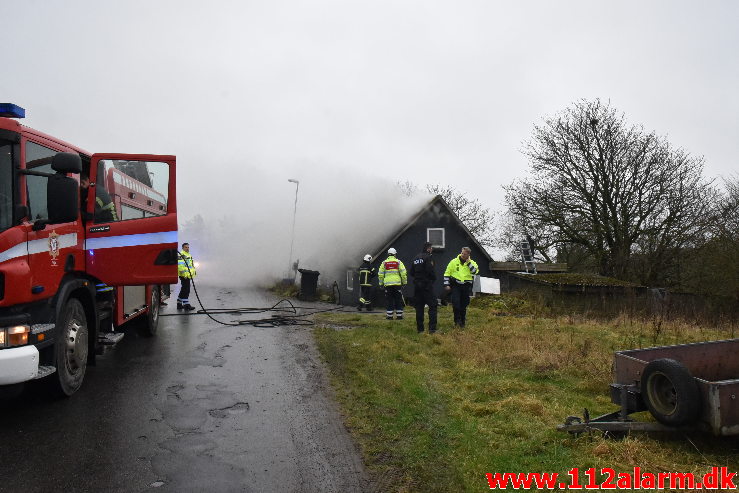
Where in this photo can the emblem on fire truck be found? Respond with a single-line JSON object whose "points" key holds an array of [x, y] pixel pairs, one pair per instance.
{"points": [[53, 246]]}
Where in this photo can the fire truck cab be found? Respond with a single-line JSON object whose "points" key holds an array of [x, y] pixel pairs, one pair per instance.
{"points": [[86, 240]]}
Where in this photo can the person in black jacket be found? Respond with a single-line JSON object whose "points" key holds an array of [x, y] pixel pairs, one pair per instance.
{"points": [[366, 274], [104, 206], [424, 276]]}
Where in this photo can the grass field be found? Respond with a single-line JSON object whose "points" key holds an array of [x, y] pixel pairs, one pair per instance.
{"points": [[438, 412]]}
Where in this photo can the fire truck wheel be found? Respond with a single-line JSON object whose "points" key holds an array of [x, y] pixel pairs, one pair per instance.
{"points": [[71, 349], [150, 322], [670, 392]]}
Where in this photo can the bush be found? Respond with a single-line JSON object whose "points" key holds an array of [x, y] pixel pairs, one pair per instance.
{"points": [[285, 289]]}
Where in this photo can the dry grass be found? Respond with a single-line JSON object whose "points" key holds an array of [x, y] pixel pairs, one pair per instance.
{"points": [[488, 398]]}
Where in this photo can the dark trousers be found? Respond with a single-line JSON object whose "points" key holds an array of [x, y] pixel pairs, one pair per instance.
{"points": [[460, 298], [424, 295], [164, 293], [394, 298], [365, 293], [184, 296]]}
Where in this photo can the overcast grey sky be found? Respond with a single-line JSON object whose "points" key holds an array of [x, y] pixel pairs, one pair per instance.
{"points": [[247, 94]]}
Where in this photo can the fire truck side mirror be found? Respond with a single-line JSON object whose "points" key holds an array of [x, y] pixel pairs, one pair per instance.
{"points": [[62, 192], [62, 197]]}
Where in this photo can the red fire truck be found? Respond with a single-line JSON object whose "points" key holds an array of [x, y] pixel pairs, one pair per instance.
{"points": [[86, 240]]}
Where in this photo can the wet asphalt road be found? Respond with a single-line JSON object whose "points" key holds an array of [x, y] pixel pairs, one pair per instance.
{"points": [[200, 407]]}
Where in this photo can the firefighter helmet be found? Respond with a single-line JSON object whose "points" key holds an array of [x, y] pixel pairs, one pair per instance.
{"points": [[368, 258], [392, 251]]}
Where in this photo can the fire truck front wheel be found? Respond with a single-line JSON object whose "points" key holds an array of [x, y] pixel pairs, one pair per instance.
{"points": [[71, 348], [149, 323]]}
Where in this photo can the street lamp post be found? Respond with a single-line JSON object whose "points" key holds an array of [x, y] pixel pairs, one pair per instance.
{"points": [[292, 239]]}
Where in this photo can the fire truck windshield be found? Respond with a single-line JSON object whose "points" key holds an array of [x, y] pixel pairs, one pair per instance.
{"points": [[6, 185]]}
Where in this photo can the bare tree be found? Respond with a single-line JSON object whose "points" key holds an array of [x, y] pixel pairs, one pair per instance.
{"points": [[511, 232], [607, 188], [728, 224], [713, 266], [407, 188], [728, 234]]}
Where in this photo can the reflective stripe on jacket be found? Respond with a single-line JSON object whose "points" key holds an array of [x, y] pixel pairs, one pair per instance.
{"points": [[185, 261], [462, 273], [108, 208], [392, 273], [366, 273]]}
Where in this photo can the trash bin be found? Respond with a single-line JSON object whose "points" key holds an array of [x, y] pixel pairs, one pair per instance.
{"points": [[308, 285]]}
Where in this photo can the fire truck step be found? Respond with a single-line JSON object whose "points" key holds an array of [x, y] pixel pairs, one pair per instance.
{"points": [[45, 371], [110, 338]]}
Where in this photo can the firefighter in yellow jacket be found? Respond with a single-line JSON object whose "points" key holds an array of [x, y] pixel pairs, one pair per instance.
{"points": [[392, 277], [186, 271], [458, 278]]}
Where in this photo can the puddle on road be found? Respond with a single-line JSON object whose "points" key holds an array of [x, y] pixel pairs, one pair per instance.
{"points": [[191, 460], [238, 408]]}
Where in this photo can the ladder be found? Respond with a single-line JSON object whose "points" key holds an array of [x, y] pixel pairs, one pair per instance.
{"points": [[528, 257]]}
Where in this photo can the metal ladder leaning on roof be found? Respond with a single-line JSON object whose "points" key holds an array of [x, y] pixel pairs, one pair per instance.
{"points": [[528, 257]]}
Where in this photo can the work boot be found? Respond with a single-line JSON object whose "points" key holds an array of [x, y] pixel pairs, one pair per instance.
{"points": [[179, 305], [188, 307], [432, 330], [359, 308]]}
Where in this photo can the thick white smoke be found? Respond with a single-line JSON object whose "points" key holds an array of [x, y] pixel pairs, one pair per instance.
{"points": [[239, 226]]}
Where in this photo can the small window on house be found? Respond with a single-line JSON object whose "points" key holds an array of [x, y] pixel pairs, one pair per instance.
{"points": [[435, 236], [350, 280]]}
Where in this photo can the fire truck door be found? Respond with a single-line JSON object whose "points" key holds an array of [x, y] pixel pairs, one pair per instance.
{"points": [[131, 219]]}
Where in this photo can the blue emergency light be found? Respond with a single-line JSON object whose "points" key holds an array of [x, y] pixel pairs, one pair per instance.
{"points": [[11, 110]]}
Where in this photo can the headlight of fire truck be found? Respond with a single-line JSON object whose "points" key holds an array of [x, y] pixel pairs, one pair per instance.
{"points": [[14, 336]]}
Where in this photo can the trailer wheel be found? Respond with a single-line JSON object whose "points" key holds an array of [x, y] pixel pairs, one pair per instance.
{"points": [[670, 392], [71, 349], [150, 322]]}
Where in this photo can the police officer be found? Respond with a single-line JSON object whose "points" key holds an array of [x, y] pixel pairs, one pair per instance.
{"points": [[424, 276], [458, 278], [392, 277], [186, 271], [366, 273]]}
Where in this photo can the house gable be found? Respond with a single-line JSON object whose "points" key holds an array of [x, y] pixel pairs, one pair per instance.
{"points": [[409, 240]]}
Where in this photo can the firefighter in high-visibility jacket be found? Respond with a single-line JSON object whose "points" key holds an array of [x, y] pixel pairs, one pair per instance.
{"points": [[458, 278], [186, 271], [366, 274], [392, 277]]}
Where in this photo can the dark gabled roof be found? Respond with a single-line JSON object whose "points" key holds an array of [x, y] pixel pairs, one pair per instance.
{"points": [[416, 217]]}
